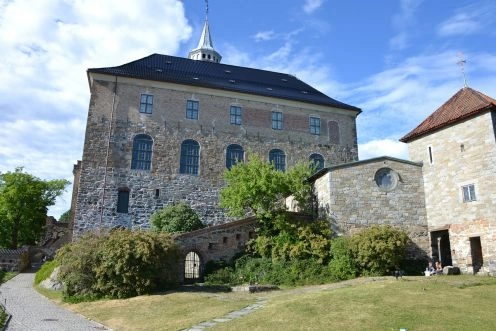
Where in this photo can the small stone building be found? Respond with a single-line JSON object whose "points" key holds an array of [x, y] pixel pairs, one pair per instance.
{"points": [[14, 259], [384, 191], [457, 146]]}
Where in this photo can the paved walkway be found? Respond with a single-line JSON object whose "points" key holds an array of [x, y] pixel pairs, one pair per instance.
{"points": [[33, 312]]}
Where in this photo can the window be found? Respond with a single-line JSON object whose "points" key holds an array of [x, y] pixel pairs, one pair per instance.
{"points": [[317, 161], [234, 153], [314, 125], [146, 103], [278, 159], [276, 120], [142, 152], [190, 157], [431, 159], [333, 128], [235, 115], [386, 179], [192, 109], [468, 193], [123, 200]]}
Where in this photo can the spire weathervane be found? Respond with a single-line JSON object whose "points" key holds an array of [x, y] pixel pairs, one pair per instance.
{"points": [[206, 9], [461, 62]]}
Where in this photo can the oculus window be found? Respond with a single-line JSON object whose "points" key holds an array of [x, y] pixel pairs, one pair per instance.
{"points": [[142, 152], [190, 157], [234, 154], [278, 159], [386, 179], [192, 108]]}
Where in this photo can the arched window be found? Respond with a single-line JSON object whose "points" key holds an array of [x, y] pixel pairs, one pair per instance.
{"points": [[192, 265], [142, 152], [190, 157], [278, 158], [333, 129], [317, 161], [234, 153]]}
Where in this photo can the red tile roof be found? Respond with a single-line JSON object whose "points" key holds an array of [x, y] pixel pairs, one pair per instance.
{"points": [[465, 103]]}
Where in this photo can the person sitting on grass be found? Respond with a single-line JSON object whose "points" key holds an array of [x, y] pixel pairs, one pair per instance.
{"points": [[439, 268]]}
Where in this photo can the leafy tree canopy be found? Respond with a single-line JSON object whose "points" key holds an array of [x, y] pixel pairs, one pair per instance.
{"points": [[64, 218], [24, 199], [257, 187], [176, 218]]}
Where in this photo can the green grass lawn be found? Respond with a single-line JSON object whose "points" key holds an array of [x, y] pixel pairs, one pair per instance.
{"points": [[412, 303]]}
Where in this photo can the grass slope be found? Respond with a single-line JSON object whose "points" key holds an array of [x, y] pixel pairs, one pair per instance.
{"points": [[413, 303]]}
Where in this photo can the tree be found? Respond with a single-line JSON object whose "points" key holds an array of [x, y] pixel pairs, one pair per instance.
{"points": [[24, 199], [257, 187], [64, 218], [176, 218]]}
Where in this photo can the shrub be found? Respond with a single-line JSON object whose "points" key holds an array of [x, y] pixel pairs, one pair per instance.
{"points": [[342, 265], [45, 271], [118, 264], [136, 263], [223, 276], [378, 250], [176, 218]]}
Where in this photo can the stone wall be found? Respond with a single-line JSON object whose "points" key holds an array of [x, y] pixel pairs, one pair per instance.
{"points": [[14, 259], [462, 154], [216, 243], [113, 122], [350, 196]]}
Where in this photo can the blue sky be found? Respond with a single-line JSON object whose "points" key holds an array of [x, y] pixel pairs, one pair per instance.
{"points": [[395, 59]]}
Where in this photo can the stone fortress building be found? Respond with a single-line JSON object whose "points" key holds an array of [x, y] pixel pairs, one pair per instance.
{"points": [[163, 129]]}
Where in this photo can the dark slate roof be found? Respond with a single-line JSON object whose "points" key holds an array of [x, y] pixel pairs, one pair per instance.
{"points": [[172, 69], [465, 103]]}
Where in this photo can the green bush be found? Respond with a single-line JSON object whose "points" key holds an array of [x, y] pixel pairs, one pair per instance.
{"points": [[379, 250], [176, 218], [45, 271], [118, 264], [342, 265], [222, 276]]}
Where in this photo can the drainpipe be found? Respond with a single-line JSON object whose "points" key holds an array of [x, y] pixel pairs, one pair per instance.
{"points": [[108, 152]]}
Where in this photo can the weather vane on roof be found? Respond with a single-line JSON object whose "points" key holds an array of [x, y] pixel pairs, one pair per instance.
{"points": [[461, 62], [206, 9]]}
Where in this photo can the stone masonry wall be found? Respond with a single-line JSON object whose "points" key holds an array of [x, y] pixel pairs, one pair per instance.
{"points": [[462, 154], [350, 196], [168, 128]]}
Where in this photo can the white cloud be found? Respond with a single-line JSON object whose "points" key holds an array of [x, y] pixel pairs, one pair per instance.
{"points": [[402, 22], [264, 35], [383, 147], [460, 24], [312, 5], [47, 45]]}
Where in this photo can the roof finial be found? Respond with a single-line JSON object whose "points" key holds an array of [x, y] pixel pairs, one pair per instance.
{"points": [[206, 10], [461, 62]]}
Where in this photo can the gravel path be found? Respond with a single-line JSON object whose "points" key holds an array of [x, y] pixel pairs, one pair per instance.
{"points": [[33, 312]]}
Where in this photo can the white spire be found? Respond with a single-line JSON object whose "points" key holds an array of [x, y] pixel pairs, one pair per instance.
{"points": [[205, 50]]}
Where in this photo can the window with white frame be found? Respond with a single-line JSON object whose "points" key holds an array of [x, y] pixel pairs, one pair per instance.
{"points": [[314, 125], [468, 192], [146, 103]]}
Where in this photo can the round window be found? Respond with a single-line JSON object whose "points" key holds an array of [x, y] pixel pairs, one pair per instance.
{"points": [[386, 179]]}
